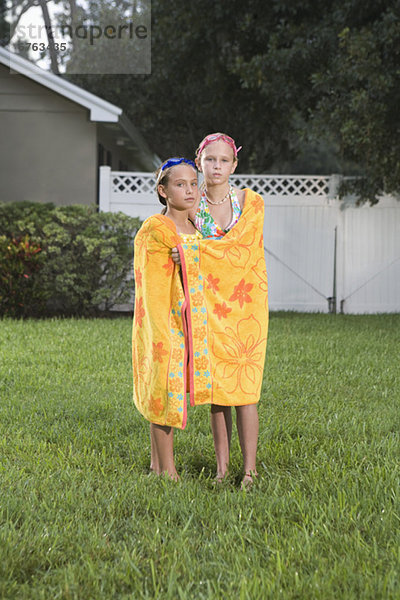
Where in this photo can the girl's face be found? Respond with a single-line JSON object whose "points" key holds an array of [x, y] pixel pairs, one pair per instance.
{"points": [[181, 190], [217, 162]]}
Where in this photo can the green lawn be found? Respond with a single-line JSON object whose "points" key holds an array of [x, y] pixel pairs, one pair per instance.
{"points": [[81, 519]]}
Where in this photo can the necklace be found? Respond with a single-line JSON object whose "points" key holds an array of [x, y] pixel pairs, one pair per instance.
{"points": [[227, 195], [188, 223]]}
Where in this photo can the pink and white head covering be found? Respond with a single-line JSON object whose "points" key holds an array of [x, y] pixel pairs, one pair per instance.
{"points": [[214, 137]]}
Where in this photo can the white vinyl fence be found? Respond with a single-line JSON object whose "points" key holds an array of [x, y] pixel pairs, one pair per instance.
{"points": [[322, 254]]}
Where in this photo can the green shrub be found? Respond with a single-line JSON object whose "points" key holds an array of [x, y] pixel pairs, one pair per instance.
{"points": [[20, 259], [85, 263]]}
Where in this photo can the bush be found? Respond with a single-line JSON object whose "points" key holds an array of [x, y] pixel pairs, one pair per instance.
{"points": [[64, 260], [19, 261]]}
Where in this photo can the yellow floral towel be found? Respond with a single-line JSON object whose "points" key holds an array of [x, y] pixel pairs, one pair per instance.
{"points": [[213, 330]]}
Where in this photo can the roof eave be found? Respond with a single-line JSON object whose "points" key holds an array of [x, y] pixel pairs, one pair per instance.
{"points": [[99, 109]]}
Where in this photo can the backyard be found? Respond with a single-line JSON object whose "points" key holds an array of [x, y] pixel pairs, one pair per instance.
{"points": [[80, 517]]}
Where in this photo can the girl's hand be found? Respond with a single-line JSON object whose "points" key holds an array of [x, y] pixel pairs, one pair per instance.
{"points": [[175, 256]]}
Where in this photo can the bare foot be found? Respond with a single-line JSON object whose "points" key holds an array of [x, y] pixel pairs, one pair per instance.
{"points": [[220, 478], [248, 480], [172, 476]]}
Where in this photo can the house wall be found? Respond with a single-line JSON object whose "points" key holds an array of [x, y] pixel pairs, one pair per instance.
{"points": [[48, 146]]}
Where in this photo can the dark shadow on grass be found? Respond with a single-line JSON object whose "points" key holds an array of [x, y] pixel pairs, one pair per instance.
{"points": [[197, 465]]}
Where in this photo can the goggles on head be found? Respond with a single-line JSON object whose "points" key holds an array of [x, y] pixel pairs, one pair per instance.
{"points": [[214, 137], [173, 162]]}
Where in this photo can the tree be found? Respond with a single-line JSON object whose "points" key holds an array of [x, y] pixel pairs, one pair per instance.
{"points": [[289, 80], [4, 24], [357, 97], [193, 88], [17, 10], [340, 62], [254, 71]]}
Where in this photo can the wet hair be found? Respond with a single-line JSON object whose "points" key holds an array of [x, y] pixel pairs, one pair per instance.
{"points": [[164, 171]]}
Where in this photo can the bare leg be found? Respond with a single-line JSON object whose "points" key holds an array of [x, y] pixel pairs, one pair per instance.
{"points": [[154, 462], [162, 438], [247, 424], [221, 427]]}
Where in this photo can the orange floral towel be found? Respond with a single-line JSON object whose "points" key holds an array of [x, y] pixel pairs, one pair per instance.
{"points": [[216, 323]]}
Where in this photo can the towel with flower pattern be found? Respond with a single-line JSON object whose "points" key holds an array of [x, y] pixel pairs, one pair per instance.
{"points": [[209, 335]]}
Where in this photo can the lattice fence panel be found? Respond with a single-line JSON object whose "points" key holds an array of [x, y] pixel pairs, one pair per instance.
{"points": [[133, 183], [274, 185]]}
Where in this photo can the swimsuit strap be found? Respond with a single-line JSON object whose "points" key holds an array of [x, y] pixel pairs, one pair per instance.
{"points": [[205, 222], [236, 210]]}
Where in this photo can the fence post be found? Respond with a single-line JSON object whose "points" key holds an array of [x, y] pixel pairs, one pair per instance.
{"points": [[341, 279], [332, 300], [334, 182], [105, 189]]}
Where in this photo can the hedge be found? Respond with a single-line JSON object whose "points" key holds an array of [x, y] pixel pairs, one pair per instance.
{"points": [[64, 260]]}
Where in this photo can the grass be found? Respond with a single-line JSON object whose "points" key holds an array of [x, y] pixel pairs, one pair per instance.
{"points": [[81, 519]]}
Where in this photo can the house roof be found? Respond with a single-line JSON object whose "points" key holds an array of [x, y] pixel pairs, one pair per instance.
{"points": [[100, 110]]}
